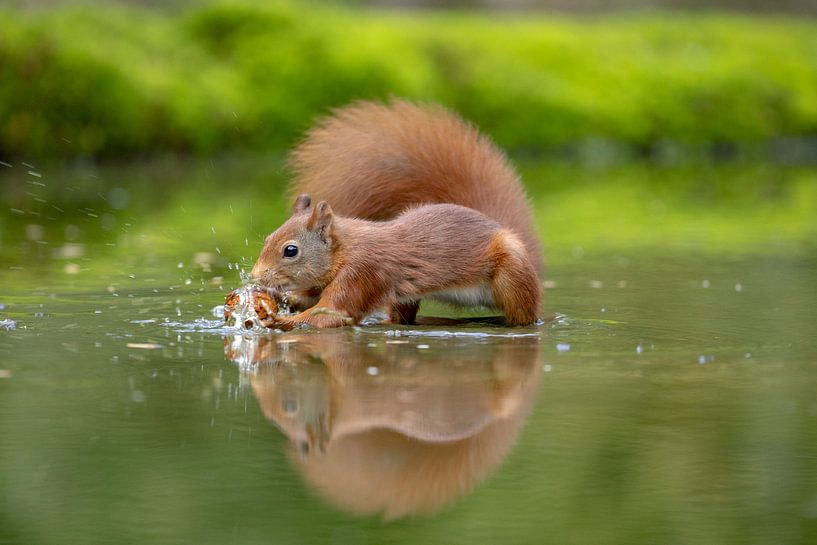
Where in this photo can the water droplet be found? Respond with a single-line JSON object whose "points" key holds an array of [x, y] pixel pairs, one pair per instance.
{"points": [[71, 232], [118, 198], [34, 231], [107, 221]]}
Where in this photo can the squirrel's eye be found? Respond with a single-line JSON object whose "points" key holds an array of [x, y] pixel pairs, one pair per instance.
{"points": [[290, 250]]}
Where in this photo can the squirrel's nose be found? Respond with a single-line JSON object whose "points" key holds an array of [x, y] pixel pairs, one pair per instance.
{"points": [[258, 271]]}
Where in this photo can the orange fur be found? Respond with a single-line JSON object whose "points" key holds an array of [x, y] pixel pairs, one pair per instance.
{"points": [[390, 444], [421, 205], [373, 161]]}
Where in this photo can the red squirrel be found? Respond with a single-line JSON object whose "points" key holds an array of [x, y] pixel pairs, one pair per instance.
{"points": [[399, 202]]}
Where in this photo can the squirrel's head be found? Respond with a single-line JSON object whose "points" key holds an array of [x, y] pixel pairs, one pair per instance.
{"points": [[298, 255]]}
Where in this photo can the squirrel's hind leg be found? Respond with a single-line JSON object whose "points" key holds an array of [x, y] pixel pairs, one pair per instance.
{"points": [[404, 313], [514, 284]]}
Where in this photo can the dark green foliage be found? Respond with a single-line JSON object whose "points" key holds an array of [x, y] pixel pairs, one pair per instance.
{"points": [[114, 81]]}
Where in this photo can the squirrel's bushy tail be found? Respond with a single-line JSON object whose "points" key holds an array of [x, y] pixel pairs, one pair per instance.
{"points": [[373, 161]]}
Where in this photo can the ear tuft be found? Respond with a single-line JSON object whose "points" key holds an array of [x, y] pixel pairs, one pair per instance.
{"points": [[321, 220], [302, 203]]}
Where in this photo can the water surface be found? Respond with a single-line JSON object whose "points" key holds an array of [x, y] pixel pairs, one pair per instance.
{"points": [[670, 396]]}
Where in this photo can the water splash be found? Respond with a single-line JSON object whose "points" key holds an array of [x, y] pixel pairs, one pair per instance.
{"points": [[8, 324]]}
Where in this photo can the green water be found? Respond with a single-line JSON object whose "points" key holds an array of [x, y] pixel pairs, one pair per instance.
{"points": [[670, 397]]}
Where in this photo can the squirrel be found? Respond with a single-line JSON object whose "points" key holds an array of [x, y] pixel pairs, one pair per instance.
{"points": [[412, 202], [444, 434]]}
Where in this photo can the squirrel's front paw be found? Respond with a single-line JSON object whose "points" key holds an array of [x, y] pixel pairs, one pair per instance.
{"points": [[316, 317], [276, 321]]}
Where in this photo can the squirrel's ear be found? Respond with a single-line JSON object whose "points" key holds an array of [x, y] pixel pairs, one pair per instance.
{"points": [[321, 220], [303, 202]]}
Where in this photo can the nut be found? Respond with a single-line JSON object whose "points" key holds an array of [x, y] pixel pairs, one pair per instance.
{"points": [[251, 300]]}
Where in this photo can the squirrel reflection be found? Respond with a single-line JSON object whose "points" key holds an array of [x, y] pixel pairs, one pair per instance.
{"points": [[380, 426]]}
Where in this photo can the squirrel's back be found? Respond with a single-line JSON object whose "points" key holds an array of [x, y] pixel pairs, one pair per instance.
{"points": [[373, 161]]}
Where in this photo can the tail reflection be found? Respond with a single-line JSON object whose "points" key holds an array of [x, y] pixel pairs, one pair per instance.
{"points": [[390, 428]]}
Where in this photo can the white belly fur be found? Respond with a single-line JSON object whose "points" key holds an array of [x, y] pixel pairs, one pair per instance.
{"points": [[472, 296]]}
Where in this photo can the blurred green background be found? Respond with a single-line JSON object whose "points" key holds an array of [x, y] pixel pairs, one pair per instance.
{"points": [[120, 79], [665, 122]]}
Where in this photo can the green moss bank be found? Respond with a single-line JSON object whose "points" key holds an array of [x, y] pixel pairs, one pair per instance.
{"points": [[113, 81]]}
